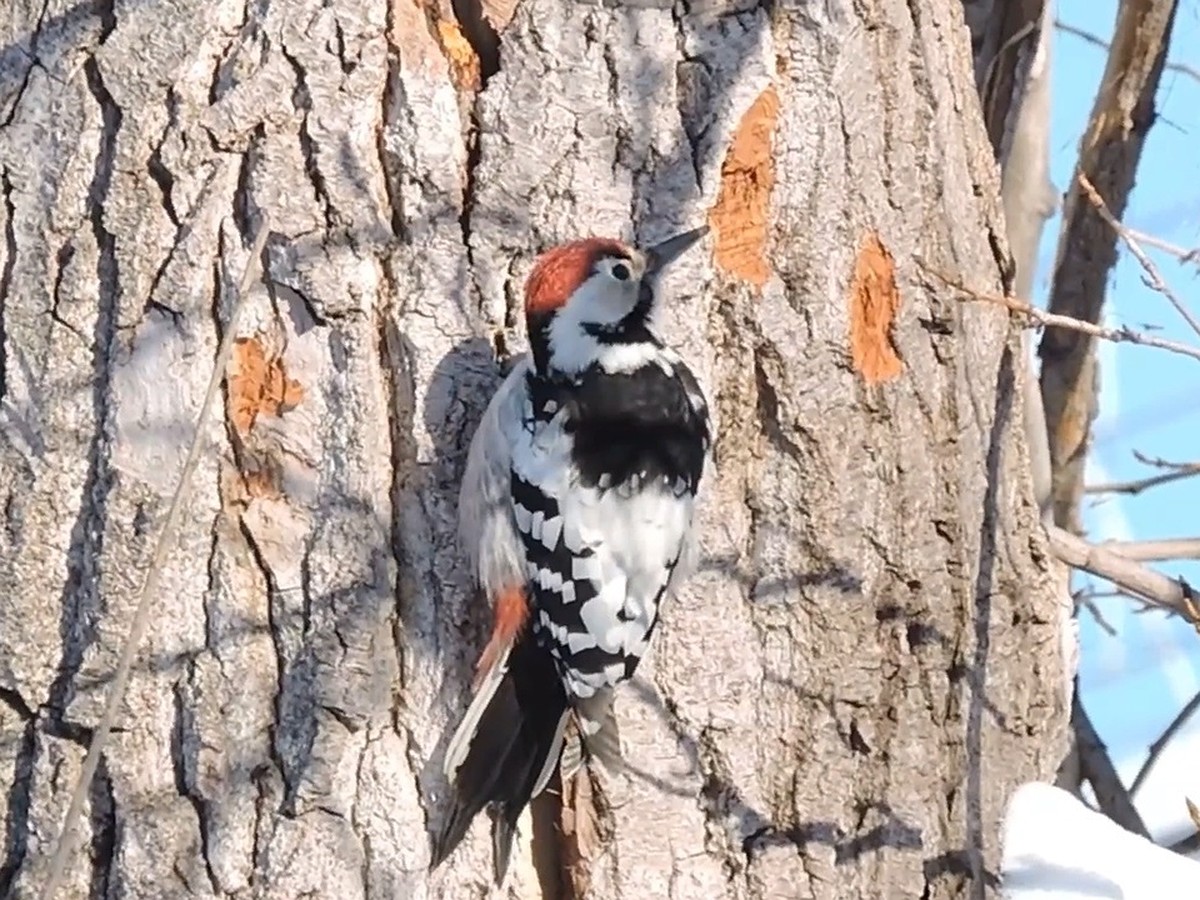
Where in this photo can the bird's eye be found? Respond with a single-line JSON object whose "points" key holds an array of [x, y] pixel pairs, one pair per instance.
{"points": [[620, 272]]}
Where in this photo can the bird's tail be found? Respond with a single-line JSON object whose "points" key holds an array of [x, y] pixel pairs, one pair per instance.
{"points": [[506, 747]]}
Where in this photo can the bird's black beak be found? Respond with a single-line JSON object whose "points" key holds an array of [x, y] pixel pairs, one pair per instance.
{"points": [[663, 254]]}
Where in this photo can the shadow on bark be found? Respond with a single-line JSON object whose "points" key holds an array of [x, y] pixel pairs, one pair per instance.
{"points": [[64, 30], [984, 584]]}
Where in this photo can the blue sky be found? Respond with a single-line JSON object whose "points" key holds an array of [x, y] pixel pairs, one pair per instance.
{"points": [[1134, 684]]}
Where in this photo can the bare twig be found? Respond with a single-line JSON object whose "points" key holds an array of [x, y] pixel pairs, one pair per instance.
{"points": [[1154, 276], [141, 617], [1097, 41], [1096, 766], [1088, 602], [1159, 462], [1188, 845], [1170, 593], [1182, 254], [1136, 486], [1052, 320], [1160, 744], [1107, 595], [1156, 551]]}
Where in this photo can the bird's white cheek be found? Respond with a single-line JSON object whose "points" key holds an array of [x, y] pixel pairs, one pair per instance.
{"points": [[605, 303], [623, 301]]}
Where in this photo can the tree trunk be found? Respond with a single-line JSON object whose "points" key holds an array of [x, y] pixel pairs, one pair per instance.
{"points": [[1109, 152], [1013, 47], [839, 702]]}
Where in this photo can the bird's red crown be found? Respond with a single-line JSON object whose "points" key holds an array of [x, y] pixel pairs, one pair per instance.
{"points": [[560, 270]]}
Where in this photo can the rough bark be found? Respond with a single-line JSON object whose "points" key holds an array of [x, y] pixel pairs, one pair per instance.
{"points": [[868, 661], [1013, 46]]}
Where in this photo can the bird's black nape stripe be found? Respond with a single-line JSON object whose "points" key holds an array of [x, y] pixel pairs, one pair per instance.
{"points": [[645, 303], [537, 324], [628, 331]]}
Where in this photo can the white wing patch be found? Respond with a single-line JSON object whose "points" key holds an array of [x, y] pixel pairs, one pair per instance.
{"points": [[486, 517], [587, 567], [551, 532]]}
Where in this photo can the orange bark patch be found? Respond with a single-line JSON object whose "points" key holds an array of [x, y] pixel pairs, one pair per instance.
{"points": [[508, 618], [257, 385], [412, 35], [739, 217], [464, 61], [874, 302], [583, 832]]}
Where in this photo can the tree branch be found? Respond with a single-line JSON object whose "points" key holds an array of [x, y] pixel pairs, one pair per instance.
{"points": [[1188, 845], [1156, 551], [1109, 152], [1097, 767], [1159, 745], [1159, 462], [1182, 254], [1088, 601], [1169, 593], [1156, 281], [1054, 320], [1097, 41], [1186, 470]]}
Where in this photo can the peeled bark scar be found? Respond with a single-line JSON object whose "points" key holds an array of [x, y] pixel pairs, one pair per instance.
{"points": [[584, 832], [258, 385], [464, 61], [874, 302], [739, 217]]}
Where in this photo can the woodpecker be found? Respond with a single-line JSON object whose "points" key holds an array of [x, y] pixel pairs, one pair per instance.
{"points": [[576, 512]]}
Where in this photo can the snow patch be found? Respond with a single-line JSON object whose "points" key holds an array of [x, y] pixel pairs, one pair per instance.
{"points": [[1054, 846]]}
